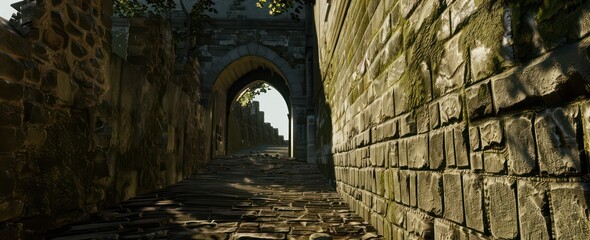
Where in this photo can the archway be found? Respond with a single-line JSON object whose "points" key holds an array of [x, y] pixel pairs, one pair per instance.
{"points": [[239, 68]]}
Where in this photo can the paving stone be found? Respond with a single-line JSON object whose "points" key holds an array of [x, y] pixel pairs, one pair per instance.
{"points": [[569, 205], [220, 203], [557, 141], [502, 207]]}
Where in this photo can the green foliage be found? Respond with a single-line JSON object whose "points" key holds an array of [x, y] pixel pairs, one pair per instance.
{"points": [[251, 92], [278, 7], [129, 8]]}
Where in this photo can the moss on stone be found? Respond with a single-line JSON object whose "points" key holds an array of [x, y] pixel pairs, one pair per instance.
{"points": [[486, 27], [420, 46]]}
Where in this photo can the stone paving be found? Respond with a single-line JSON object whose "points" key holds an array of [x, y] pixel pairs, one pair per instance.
{"points": [[237, 197]]}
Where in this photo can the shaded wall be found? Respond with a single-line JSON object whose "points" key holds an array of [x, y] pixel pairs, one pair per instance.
{"points": [[81, 128], [459, 119], [247, 128]]}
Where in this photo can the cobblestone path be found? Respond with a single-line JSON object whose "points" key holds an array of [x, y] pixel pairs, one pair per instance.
{"points": [[240, 197]]}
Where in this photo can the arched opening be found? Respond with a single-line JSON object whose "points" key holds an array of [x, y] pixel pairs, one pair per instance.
{"points": [[236, 74], [258, 123]]}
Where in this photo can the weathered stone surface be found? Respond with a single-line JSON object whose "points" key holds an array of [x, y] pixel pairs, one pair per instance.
{"points": [[569, 206], [449, 147], [479, 100], [393, 152], [450, 109], [544, 80], [430, 192], [460, 11], [494, 162], [557, 141], [453, 197], [12, 70], [420, 224], [407, 124], [10, 116], [473, 201], [11, 139], [532, 202], [492, 134], [450, 70], [521, 144], [417, 152], [404, 183], [10, 209], [461, 137], [434, 115], [436, 150], [502, 207]]}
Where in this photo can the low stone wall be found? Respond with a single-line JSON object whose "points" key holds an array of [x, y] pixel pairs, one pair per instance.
{"points": [[247, 128], [81, 128], [458, 119]]}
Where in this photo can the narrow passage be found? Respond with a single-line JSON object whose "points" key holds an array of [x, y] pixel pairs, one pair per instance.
{"points": [[253, 196]]}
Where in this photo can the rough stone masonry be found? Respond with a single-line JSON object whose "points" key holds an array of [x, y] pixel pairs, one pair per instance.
{"points": [[456, 119]]}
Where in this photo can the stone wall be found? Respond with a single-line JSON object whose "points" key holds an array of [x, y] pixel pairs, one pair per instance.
{"points": [[81, 128], [247, 128], [460, 118]]}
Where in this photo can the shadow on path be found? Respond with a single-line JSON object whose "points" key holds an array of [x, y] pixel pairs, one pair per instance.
{"points": [[237, 197]]}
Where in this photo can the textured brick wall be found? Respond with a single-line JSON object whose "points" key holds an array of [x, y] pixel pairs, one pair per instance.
{"points": [[81, 128], [455, 119], [247, 128]]}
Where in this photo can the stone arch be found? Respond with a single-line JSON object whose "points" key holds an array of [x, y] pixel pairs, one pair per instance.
{"points": [[241, 64]]}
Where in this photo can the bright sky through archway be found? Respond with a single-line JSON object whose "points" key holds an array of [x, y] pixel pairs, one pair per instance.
{"points": [[6, 10], [275, 110]]}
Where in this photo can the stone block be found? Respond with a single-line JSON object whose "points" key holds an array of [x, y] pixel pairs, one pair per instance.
{"points": [[446, 230], [453, 197], [12, 70], [403, 153], [65, 90], [413, 189], [585, 109], [460, 11], [380, 182], [520, 144], [473, 201], [434, 115], [396, 185], [474, 138], [393, 154], [387, 105], [10, 115], [532, 202], [494, 162], [450, 74], [10, 91], [552, 79], [450, 109], [10, 209], [404, 180], [460, 136], [481, 62], [11, 139], [396, 214], [422, 120], [501, 207], [407, 124], [492, 134], [436, 150], [444, 31], [420, 224], [569, 206], [479, 100], [418, 152], [407, 6], [477, 162], [557, 141], [449, 147], [430, 192]]}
